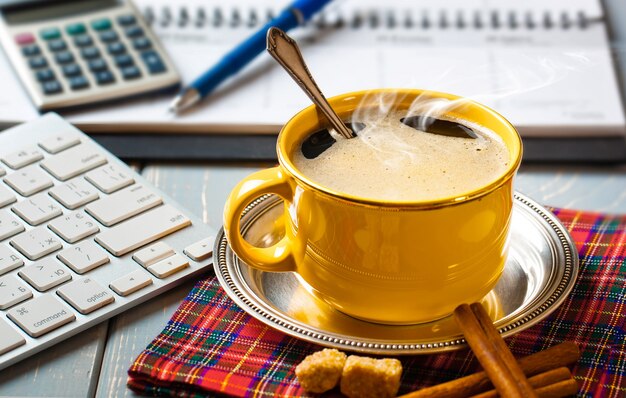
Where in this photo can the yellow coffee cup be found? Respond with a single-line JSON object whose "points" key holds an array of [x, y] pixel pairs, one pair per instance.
{"points": [[379, 260]]}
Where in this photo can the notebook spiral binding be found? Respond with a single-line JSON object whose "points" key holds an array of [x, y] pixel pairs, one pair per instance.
{"points": [[217, 17]]}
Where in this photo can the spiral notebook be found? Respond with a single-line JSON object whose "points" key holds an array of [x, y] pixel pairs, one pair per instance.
{"points": [[545, 65]]}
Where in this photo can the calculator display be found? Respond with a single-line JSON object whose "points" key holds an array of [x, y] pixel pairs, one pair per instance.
{"points": [[16, 12]]}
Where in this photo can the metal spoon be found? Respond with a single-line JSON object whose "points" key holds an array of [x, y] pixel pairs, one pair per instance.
{"points": [[285, 50]]}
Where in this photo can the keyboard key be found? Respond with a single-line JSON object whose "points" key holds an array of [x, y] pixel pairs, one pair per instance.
{"points": [[116, 48], [126, 20], [101, 24], [105, 77], [131, 283], [45, 274], [24, 39], [143, 229], [83, 257], [11, 339], [134, 31], [74, 193], [45, 75], [83, 41], [109, 178], [37, 209], [9, 225], [71, 70], [169, 266], [6, 196], [201, 250], [41, 315], [73, 161], [153, 62], [123, 60], [97, 65], [21, 158], [9, 260], [57, 45], [29, 180], [90, 53], [74, 227], [59, 142], [75, 29], [12, 291], [64, 57], [78, 82], [37, 62], [109, 36], [2, 172], [50, 33], [142, 43], [153, 253], [36, 243], [85, 295], [29, 51], [130, 72], [52, 87], [123, 204]]}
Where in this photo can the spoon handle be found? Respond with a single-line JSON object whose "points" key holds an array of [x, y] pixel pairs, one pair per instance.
{"points": [[285, 50]]}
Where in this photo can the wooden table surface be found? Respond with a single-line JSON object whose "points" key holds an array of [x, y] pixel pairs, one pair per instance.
{"points": [[94, 363]]}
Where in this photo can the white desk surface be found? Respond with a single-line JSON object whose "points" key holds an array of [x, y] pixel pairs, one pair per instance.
{"points": [[94, 363]]}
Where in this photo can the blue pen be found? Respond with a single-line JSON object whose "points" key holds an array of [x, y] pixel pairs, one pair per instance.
{"points": [[296, 14]]}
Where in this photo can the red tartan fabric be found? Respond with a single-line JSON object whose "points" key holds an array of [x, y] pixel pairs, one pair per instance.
{"points": [[211, 347]]}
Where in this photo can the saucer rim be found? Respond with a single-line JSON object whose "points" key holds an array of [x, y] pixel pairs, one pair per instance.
{"points": [[262, 310]]}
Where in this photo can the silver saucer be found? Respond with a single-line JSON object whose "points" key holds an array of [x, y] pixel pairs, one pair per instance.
{"points": [[540, 272]]}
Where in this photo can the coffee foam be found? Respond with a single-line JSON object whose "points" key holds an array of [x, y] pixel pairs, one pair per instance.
{"points": [[391, 161]]}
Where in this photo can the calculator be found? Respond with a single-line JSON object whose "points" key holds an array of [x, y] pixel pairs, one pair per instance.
{"points": [[72, 53]]}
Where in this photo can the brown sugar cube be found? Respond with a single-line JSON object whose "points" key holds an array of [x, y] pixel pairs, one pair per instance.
{"points": [[365, 377], [320, 371]]}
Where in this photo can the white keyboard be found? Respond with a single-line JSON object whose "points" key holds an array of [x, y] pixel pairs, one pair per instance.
{"points": [[82, 237]]}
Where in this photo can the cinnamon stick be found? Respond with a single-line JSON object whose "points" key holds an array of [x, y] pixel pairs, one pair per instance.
{"points": [[500, 371], [558, 390], [559, 355], [493, 336], [541, 380]]}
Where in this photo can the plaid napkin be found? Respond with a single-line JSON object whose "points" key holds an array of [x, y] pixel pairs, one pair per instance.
{"points": [[211, 347]]}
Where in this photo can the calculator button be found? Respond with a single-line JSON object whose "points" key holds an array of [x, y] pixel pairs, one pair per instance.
{"points": [[57, 45], [37, 62], [142, 43], [153, 62], [97, 65], [108, 36], [50, 33], [126, 20], [24, 38], [64, 57], [130, 72], [90, 53], [83, 41], [134, 31], [105, 77], [45, 75], [116, 48], [78, 82], [31, 50], [123, 60], [101, 24], [71, 70], [75, 29], [51, 87]]}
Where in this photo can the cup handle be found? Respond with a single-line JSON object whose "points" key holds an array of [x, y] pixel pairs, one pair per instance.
{"points": [[276, 258]]}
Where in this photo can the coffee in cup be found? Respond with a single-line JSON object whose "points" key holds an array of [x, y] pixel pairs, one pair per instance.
{"points": [[405, 254]]}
